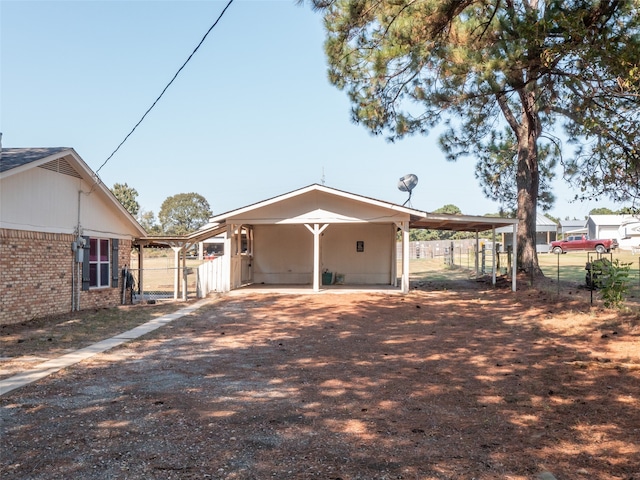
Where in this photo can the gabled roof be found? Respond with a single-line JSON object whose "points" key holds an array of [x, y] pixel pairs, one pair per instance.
{"points": [[417, 218], [17, 157], [63, 160], [310, 188]]}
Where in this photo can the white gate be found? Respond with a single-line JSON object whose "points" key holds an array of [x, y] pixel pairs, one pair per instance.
{"points": [[211, 277]]}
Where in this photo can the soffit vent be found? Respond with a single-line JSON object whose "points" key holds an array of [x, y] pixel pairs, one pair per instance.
{"points": [[61, 165]]}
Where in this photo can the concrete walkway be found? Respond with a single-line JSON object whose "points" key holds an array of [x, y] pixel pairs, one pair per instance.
{"points": [[52, 366]]}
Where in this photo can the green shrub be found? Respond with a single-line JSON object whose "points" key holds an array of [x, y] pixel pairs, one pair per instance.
{"points": [[612, 278]]}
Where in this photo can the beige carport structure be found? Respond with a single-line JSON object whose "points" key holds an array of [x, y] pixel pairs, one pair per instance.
{"points": [[467, 223], [294, 238]]}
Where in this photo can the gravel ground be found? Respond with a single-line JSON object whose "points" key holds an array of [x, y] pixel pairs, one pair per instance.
{"points": [[469, 383]]}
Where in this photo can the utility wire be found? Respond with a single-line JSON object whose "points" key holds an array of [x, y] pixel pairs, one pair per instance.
{"points": [[168, 85]]}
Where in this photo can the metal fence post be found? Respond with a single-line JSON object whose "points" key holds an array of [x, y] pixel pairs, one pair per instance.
{"points": [[558, 257]]}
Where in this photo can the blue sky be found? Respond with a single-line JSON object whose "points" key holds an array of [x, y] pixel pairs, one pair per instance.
{"points": [[251, 116]]}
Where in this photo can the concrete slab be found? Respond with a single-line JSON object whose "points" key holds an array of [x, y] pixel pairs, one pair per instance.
{"points": [[308, 289], [51, 366]]}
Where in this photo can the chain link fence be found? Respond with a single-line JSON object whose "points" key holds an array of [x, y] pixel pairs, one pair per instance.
{"points": [[158, 279]]}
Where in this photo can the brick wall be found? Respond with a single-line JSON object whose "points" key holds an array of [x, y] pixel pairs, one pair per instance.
{"points": [[36, 276]]}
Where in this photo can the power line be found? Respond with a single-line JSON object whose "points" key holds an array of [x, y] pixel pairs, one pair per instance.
{"points": [[168, 85]]}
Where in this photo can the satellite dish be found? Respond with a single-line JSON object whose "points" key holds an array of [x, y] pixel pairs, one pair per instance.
{"points": [[407, 184]]}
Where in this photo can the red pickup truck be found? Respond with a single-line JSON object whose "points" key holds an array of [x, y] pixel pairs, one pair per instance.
{"points": [[581, 242]]}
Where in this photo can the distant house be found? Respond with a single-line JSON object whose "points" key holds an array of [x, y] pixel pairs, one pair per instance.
{"points": [[573, 227], [546, 232], [624, 228], [64, 237]]}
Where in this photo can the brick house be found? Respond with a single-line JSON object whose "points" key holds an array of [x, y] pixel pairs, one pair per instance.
{"points": [[64, 237]]}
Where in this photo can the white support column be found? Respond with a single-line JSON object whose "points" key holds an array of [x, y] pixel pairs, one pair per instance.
{"points": [[394, 257], [226, 260], [176, 273], [514, 256], [477, 255], [238, 240], [405, 257], [141, 272], [234, 256], [184, 274], [493, 257], [316, 230]]}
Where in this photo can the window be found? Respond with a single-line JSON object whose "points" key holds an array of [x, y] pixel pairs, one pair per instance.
{"points": [[99, 262]]}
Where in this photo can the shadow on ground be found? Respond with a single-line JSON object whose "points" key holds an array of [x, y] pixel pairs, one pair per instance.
{"points": [[440, 384]]}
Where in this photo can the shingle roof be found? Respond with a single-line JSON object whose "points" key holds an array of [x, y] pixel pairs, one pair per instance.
{"points": [[16, 157]]}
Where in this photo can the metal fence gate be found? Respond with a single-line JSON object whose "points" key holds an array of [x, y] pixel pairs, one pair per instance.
{"points": [[157, 284]]}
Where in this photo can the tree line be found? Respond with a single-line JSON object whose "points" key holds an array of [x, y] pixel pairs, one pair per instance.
{"points": [[179, 214]]}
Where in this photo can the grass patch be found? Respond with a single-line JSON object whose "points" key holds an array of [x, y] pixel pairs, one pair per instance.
{"points": [[570, 267], [435, 270], [56, 335]]}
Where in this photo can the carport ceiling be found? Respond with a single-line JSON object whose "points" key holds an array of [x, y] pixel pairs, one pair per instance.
{"points": [[459, 223]]}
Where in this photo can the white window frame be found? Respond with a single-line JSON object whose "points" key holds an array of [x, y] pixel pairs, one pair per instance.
{"points": [[100, 264]]}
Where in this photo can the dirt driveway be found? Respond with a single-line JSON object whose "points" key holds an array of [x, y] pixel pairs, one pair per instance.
{"points": [[474, 383]]}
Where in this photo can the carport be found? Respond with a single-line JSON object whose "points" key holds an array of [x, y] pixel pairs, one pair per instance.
{"points": [[294, 238], [468, 223]]}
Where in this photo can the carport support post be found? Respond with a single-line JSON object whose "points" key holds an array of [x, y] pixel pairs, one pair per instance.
{"points": [[176, 273], [394, 257], [495, 252], [184, 274], [141, 271], [405, 257], [316, 230], [477, 254], [226, 260]]}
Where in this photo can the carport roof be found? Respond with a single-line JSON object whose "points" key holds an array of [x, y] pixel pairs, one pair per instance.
{"points": [[459, 223], [417, 218]]}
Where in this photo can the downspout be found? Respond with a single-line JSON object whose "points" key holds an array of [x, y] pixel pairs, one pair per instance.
{"points": [[79, 253], [73, 279], [75, 292]]}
